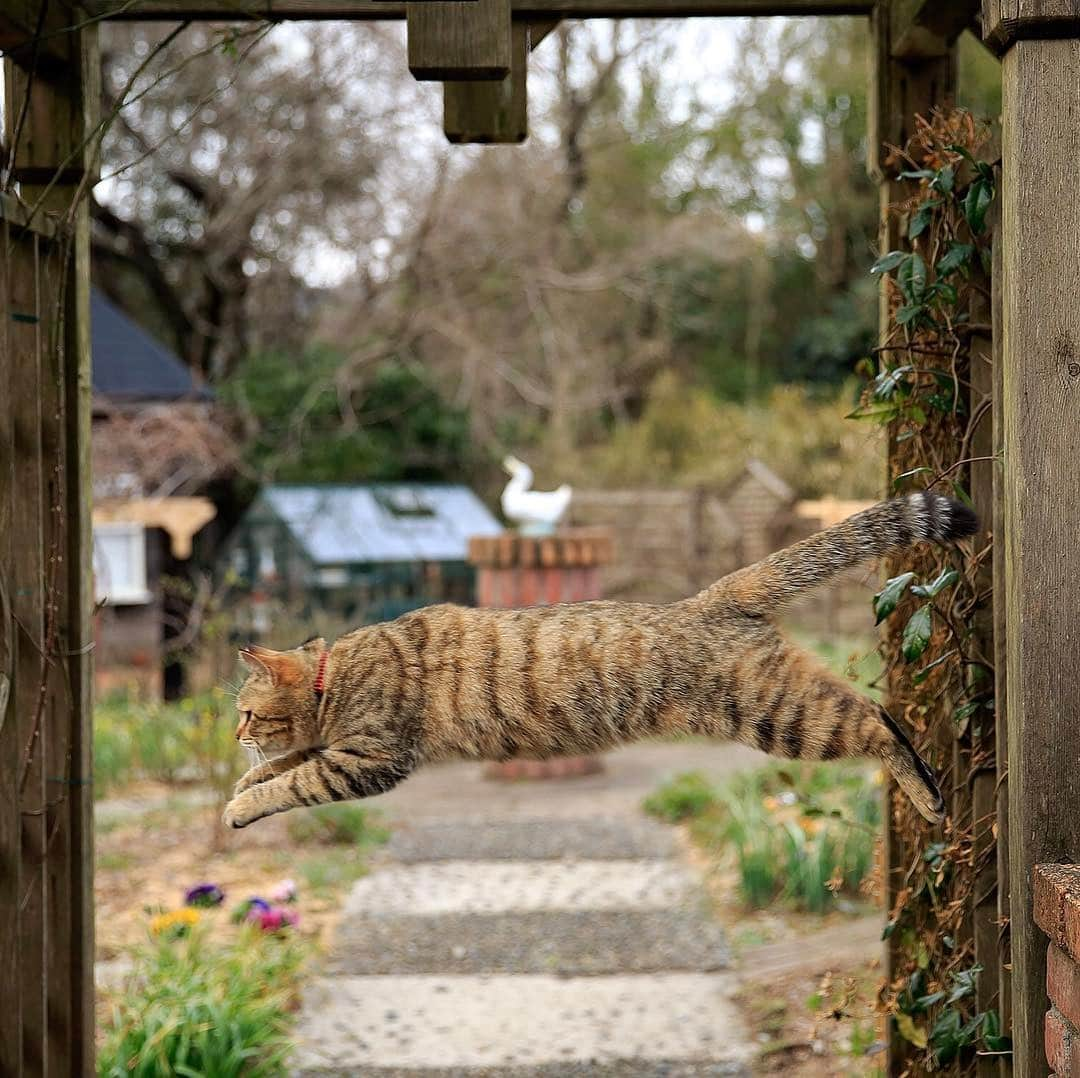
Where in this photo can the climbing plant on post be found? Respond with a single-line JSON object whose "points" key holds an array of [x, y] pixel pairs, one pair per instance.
{"points": [[931, 386]]}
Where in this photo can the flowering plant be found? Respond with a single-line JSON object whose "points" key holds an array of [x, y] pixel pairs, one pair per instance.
{"points": [[204, 895], [174, 923]]}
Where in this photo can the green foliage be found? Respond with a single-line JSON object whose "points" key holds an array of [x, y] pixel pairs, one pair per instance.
{"points": [[344, 823], [188, 741], [801, 833], [686, 436], [394, 425], [685, 797], [194, 1008]]}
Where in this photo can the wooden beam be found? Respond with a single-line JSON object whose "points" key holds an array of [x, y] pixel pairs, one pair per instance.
{"points": [[1040, 239], [32, 35], [491, 112], [926, 28], [360, 10], [900, 89], [1007, 21], [459, 39]]}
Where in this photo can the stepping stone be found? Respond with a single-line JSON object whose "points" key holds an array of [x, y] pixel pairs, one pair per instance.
{"points": [[547, 1025], [567, 942], [483, 887], [596, 839], [623, 1068]]}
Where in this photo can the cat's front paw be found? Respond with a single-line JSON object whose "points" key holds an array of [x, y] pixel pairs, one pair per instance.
{"points": [[234, 814]]}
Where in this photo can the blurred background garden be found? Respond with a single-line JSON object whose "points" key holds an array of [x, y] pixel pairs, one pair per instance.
{"points": [[299, 288]]}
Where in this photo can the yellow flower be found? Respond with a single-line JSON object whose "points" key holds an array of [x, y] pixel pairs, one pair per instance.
{"points": [[181, 920], [811, 825], [771, 803]]}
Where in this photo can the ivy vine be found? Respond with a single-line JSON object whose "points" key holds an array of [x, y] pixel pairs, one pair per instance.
{"points": [[938, 667]]}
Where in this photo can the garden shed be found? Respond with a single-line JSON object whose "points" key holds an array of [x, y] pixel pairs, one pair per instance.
{"points": [[359, 553], [1012, 761]]}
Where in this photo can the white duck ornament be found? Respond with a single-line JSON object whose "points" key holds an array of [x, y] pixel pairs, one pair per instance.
{"points": [[535, 512]]}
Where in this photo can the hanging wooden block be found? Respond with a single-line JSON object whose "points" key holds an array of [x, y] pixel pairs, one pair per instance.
{"points": [[459, 39], [485, 111]]}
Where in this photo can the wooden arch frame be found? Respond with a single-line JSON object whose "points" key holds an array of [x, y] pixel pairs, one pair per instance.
{"points": [[46, 1025]]}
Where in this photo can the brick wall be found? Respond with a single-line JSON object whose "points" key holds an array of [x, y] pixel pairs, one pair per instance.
{"points": [[1057, 913]]}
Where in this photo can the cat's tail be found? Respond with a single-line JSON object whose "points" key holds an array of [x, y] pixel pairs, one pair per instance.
{"points": [[767, 586]]}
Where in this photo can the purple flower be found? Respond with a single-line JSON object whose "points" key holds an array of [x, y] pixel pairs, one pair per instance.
{"points": [[251, 905], [204, 895]]}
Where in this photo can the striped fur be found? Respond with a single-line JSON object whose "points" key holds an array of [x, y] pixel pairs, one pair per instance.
{"points": [[453, 682]]}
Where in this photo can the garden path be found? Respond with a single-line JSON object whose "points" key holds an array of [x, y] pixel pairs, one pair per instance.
{"points": [[530, 930]]}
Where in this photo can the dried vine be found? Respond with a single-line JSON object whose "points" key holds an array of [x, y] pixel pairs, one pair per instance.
{"points": [[937, 648]]}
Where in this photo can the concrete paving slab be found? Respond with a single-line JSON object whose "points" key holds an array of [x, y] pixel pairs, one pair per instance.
{"points": [[566, 942], [503, 1022], [505, 886], [620, 1068], [496, 838]]}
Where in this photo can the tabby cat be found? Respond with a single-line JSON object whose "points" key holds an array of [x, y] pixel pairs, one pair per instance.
{"points": [[449, 681]]}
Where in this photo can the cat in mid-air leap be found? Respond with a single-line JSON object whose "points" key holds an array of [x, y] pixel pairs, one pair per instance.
{"points": [[449, 682]]}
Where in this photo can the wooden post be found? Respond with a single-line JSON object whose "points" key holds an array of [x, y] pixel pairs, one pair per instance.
{"points": [[488, 111], [46, 1024], [459, 39], [1040, 412]]}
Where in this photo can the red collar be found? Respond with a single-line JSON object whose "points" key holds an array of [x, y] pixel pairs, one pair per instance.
{"points": [[320, 677]]}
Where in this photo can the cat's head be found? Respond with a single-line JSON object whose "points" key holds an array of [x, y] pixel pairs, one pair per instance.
{"points": [[278, 704]]}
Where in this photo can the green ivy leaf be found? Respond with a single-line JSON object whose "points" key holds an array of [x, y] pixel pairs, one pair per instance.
{"points": [[888, 381], [964, 983], [888, 262], [924, 215], [911, 278], [908, 313], [943, 180], [977, 201], [965, 711], [885, 411], [916, 637], [945, 579], [956, 257], [885, 601]]}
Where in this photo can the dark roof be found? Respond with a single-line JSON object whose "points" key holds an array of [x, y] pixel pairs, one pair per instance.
{"points": [[129, 364]]}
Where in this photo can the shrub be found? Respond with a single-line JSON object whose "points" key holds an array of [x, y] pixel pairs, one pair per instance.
{"points": [[196, 1008], [801, 833], [189, 741], [341, 824], [685, 796]]}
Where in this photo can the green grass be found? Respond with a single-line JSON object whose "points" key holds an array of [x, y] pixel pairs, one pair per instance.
{"points": [[196, 1008], [686, 796], [342, 824], [189, 741], [802, 834]]}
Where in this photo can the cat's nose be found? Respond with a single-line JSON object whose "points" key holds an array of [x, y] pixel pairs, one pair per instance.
{"points": [[240, 729]]}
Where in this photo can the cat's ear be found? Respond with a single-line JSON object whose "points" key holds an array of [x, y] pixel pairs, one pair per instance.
{"points": [[316, 645], [283, 668]]}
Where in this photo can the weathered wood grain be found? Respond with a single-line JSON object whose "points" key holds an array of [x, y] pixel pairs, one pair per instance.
{"points": [[1001, 702], [459, 39], [1041, 427], [10, 837], [1007, 21], [487, 111], [380, 9], [27, 586]]}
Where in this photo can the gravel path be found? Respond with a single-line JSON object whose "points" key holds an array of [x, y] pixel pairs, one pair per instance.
{"points": [[529, 930]]}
